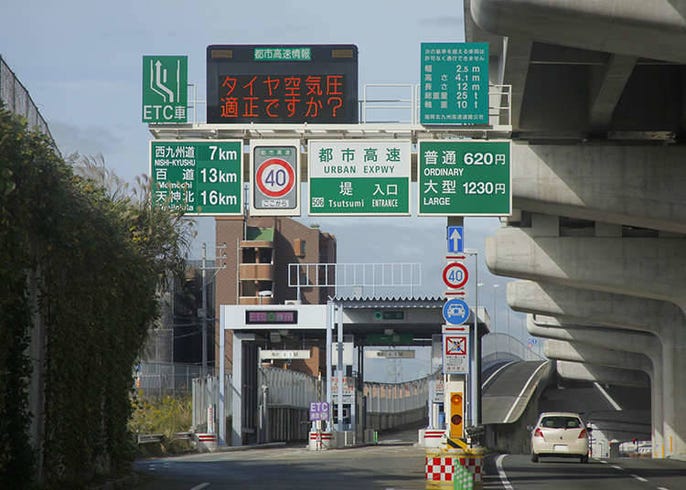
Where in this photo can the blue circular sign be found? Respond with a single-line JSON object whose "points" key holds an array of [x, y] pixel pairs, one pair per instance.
{"points": [[455, 311]]}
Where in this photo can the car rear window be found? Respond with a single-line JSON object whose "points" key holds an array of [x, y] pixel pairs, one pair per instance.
{"points": [[559, 422]]}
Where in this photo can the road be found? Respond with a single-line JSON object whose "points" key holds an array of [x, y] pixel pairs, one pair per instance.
{"points": [[517, 472], [394, 464], [381, 467]]}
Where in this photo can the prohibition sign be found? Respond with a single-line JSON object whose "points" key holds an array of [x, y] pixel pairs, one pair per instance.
{"points": [[275, 177], [455, 275]]}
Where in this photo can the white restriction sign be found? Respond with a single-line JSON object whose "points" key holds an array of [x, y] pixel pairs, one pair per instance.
{"points": [[455, 354], [388, 354]]}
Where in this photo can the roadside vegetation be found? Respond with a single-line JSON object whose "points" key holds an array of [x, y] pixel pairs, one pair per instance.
{"points": [[166, 417], [83, 259]]}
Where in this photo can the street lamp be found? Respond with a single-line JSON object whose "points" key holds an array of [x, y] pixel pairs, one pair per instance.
{"points": [[495, 316], [475, 364]]}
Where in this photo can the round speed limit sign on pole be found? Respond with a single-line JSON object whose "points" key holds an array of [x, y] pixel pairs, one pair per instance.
{"points": [[455, 275], [275, 177]]}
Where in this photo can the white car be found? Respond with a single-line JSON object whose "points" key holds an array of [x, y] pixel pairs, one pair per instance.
{"points": [[561, 434]]}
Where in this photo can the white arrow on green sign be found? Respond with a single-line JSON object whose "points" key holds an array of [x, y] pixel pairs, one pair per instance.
{"points": [[353, 177], [165, 89], [464, 178]]}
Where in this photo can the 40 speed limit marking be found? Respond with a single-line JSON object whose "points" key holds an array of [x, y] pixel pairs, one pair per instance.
{"points": [[455, 275], [275, 178]]}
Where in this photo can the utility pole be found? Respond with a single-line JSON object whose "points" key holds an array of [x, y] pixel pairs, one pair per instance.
{"points": [[204, 310], [204, 268]]}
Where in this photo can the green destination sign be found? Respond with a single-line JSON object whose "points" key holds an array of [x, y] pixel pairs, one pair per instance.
{"points": [[454, 83], [165, 89], [198, 177], [464, 178], [353, 177]]}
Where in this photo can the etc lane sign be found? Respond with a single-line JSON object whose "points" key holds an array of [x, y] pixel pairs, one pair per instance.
{"points": [[319, 411], [353, 178], [464, 178], [201, 178], [165, 89]]}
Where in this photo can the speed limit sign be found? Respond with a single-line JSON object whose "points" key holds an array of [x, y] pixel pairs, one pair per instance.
{"points": [[275, 178]]}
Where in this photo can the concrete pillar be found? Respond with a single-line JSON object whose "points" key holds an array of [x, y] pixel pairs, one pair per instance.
{"points": [[616, 339], [663, 319]]}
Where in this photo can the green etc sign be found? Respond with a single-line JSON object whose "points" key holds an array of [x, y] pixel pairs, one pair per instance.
{"points": [[359, 177], [198, 177], [464, 178], [165, 89]]}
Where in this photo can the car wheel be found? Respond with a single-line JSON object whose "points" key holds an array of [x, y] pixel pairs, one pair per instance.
{"points": [[534, 458], [584, 459]]}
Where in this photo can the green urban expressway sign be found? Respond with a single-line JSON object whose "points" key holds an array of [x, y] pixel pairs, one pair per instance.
{"points": [[202, 178], [354, 177], [464, 178]]}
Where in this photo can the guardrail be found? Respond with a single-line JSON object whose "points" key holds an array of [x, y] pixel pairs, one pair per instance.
{"points": [[159, 438]]}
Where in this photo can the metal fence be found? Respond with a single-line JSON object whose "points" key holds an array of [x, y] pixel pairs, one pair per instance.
{"points": [[500, 345], [158, 379], [295, 390], [17, 100], [289, 388], [397, 397]]}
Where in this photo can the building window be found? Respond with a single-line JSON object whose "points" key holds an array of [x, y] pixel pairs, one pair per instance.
{"points": [[299, 247]]}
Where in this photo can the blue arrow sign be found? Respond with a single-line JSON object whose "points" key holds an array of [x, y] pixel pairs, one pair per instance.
{"points": [[455, 239], [455, 311]]}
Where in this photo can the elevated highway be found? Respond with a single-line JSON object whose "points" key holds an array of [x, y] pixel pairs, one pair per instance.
{"points": [[597, 234]]}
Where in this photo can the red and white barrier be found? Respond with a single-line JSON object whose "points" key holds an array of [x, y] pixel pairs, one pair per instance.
{"points": [[206, 442], [441, 467], [320, 440]]}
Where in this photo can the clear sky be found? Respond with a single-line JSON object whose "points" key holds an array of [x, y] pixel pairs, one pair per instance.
{"points": [[81, 61]]}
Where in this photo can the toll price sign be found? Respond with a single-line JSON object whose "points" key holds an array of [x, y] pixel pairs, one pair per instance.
{"points": [[353, 178], [202, 178], [454, 83], [275, 176], [464, 178]]}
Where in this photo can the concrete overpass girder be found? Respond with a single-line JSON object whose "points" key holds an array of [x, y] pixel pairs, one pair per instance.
{"points": [[642, 267], [662, 319], [603, 374], [655, 29], [631, 185], [616, 340]]}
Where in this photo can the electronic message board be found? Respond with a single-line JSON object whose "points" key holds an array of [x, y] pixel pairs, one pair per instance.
{"points": [[282, 84]]}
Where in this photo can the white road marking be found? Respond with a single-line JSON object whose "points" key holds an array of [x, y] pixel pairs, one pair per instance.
{"points": [[607, 396], [662, 488], [617, 467], [521, 393], [492, 376], [501, 472], [639, 478], [201, 486]]}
